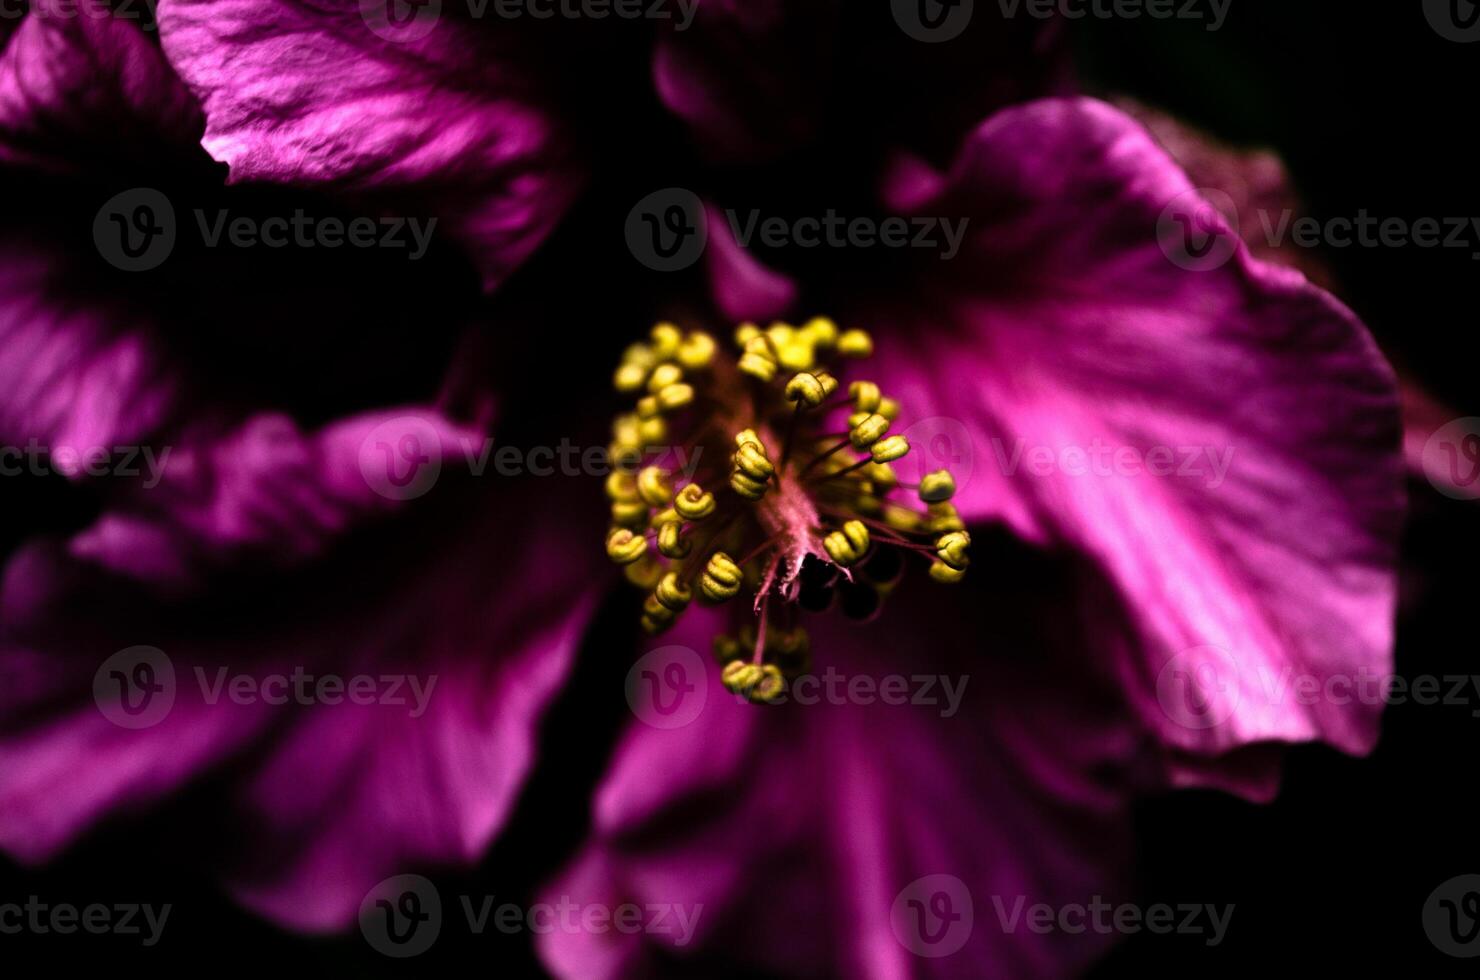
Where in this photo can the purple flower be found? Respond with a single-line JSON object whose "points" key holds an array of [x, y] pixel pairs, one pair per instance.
{"points": [[1180, 477]]}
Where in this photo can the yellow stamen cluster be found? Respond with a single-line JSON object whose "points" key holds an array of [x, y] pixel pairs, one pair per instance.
{"points": [[789, 495], [752, 467]]}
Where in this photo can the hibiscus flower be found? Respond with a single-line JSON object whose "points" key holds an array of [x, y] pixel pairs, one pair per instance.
{"points": [[1115, 625]]}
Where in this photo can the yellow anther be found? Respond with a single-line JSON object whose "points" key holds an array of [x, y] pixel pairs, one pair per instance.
{"points": [[664, 375], [624, 547], [656, 617], [951, 548], [666, 338], [644, 573], [668, 515], [625, 430], [848, 545], [889, 408], [942, 518], [629, 513], [937, 487], [855, 343], [751, 460], [868, 505], [640, 354], [796, 355], [747, 487], [865, 395], [653, 486], [807, 388], [671, 543], [630, 376], [902, 518], [868, 432], [624, 455], [721, 578], [621, 485], [653, 431], [881, 475], [697, 351], [942, 572], [648, 407], [890, 449], [745, 333], [675, 397], [769, 687], [693, 504], [757, 366], [672, 593], [821, 331], [727, 648], [739, 676]]}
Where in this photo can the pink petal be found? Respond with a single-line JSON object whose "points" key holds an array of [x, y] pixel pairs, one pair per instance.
{"points": [[81, 86], [789, 834], [1064, 328], [447, 124], [336, 796]]}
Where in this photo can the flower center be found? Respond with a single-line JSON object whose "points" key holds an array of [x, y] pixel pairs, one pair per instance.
{"points": [[761, 456]]}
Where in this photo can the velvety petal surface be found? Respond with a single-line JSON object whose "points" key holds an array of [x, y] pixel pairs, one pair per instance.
{"points": [[1219, 434], [82, 87], [460, 604], [793, 837], [446, 123]]}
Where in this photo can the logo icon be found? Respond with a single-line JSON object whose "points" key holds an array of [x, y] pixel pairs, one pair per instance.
{"points": [[667, 230], [402, 458], [939, 443], [1454, 20], [1199, 230], [932, 21], [135, 230], [1451, 459], [401, 21], [401, 916], [667, 687], [932, 916], [1451, 917], [135, 688], [1198, 688]]}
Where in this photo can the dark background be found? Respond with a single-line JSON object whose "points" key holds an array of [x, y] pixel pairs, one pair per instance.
{"points": [[1372, 110]]}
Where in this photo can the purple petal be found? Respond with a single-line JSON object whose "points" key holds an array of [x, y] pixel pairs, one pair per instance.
{"points": [[445, 125], [81, 86], [1248, 493], [790, 835], [336, 795]]}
